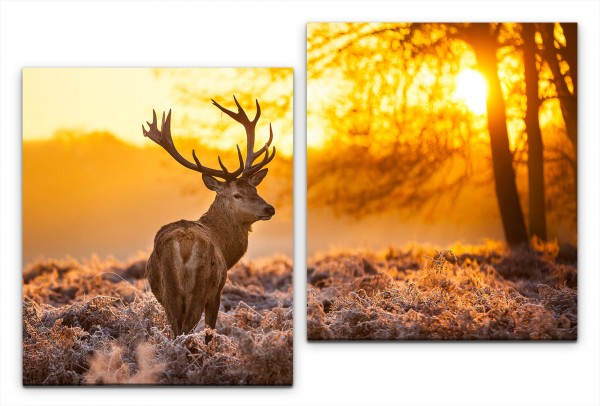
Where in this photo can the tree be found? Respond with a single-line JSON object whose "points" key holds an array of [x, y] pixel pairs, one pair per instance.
{"points": [[413, 172], [535, 156], [559, 53], [482, 37], [556, 49], [562, 61]]}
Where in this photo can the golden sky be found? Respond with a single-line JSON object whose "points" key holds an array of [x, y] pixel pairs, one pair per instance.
{"points": [[114, 100], [119, 100], [92, 176], [470, 90], [370, 95]]}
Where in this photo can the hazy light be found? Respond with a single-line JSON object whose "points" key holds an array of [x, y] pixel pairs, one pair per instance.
{"points": [[471, 89], [114, 100], [119, 100]]}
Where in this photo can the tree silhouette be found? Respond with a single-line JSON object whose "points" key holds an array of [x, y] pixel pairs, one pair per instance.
{"points": [[395, 136], [391, 138], [560, 55], [562, 61], [535, 158], [483, 38]]}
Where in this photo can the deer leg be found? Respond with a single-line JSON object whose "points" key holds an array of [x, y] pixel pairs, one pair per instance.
{"points": [[174, 315], [193, 311], [155, 271], [212, 312], [181, 315], [192, 318], [172, 321]]}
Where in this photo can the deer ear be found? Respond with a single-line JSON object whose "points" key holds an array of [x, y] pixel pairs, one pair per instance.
{"points": [[211, 183], [255, 179]]}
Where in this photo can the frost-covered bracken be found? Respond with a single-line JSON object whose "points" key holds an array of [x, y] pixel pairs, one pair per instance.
{"points": [[96, 322], [485, 293]]}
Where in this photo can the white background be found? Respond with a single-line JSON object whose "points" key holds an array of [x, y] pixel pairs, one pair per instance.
{"points": [[272, 33]]}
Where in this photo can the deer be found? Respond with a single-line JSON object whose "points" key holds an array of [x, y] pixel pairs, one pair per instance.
{"points": [[188, 266]]}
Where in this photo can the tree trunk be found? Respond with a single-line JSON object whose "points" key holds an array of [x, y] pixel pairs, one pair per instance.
{"points": [[570, 52], [485, 46], [567, 100], [535, 156]]}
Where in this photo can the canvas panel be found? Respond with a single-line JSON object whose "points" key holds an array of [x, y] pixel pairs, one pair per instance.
{"points": [[97, 188], [442, 181]]}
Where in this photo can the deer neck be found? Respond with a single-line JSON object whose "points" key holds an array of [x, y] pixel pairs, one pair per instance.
{"points": [[229, 234]]}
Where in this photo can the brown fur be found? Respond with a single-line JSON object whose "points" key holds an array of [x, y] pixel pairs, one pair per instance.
{"points": [[188, 266], [185, 248]]}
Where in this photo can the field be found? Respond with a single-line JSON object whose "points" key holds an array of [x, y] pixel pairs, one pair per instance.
{"points": [[465, 293], [97, 322]]}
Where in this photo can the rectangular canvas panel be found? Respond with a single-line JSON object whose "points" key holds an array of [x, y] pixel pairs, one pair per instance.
{"points": [[112, 156], [442, 181]]}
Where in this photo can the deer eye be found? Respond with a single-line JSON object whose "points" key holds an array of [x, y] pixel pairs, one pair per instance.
{"points": [[237, 196]]}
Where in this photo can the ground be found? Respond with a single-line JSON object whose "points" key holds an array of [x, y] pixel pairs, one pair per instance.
{"points": [[97, 322], [485, 292]]}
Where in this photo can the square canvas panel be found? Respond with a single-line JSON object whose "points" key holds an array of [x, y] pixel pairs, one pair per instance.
{"points": [[442, 181], [110, 299]]}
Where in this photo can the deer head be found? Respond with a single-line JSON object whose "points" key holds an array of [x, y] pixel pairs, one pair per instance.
{"points": [[236, 193]]}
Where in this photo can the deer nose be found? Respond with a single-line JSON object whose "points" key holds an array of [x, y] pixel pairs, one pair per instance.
{"points": [[270, 210]]}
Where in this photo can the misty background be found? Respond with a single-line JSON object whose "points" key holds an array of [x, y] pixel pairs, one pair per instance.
{"points": [[94, 185]]}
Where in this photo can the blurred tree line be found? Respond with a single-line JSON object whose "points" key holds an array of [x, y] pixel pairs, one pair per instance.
{"points": [[394, 135]]}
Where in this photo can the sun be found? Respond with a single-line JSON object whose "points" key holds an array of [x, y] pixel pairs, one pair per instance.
{"points": [[471, 89]]}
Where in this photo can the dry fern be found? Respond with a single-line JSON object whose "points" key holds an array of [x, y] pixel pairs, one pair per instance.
{"points": [[483, 293], [97, 323]]}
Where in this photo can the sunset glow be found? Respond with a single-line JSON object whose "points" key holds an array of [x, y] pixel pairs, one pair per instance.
{"points": [[82, 133], [120, 100], [471, 89]]}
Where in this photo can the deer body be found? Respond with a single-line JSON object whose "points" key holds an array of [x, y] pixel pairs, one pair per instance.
{"points": [[186, 272], [188, 266]]}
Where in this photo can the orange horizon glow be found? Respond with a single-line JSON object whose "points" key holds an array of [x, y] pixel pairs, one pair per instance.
{"points": [[119, 100], [468, 88], [94, 185]]}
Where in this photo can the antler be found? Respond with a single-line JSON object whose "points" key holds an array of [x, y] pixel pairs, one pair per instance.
{"points": [[250, 126], [164, 139]]}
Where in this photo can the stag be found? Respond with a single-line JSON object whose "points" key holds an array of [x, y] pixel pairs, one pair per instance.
{"points": [[188, 265]]}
